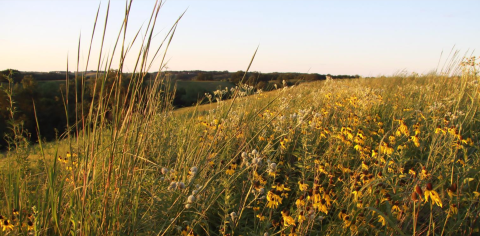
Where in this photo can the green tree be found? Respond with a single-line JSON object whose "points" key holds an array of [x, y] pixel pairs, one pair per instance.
{"points": [[237, 77], [201, 76]]}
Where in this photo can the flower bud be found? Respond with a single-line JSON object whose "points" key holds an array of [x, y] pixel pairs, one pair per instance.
{"points": [[191, 199]]}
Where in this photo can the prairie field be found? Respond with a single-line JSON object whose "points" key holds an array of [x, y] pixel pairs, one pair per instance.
{"points": [[390, 155], [385, 156]]}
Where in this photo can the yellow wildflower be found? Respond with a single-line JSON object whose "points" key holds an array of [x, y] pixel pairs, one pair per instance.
{"points": [[287, 219], [7, 225], [424, 174], [261, 217], [453, 210], [364, 166], [300, 202], [381, 219], [30, 226], [230, 171], [452, 190], [430, 193], [273, 199], [302, 186], [301, 217]]}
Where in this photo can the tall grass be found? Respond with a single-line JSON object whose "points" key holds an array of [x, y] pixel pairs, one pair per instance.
{"points": [[338, 157]]}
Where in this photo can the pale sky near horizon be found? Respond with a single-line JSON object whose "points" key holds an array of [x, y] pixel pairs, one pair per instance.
{"points": [[369, 38]]}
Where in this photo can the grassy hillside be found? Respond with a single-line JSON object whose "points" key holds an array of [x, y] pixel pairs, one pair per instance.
{"points": [[387, 156]]}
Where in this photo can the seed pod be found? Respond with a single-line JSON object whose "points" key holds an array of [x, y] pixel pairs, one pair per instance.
{"points": [[453, 188], [414, 197], [419, 190], [191, 199], [429, 187]]}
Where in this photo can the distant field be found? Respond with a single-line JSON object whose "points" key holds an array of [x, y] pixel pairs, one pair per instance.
{"points": [[191, 91], [195, 90]]}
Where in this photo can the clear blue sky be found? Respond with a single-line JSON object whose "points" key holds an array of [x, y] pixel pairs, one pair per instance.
{"points": [[338, 37]]}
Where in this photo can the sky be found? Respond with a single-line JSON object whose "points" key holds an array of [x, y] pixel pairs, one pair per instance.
{"points": [[369, 38]]}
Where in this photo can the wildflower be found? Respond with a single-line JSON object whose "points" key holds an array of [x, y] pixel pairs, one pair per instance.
{"points": [[424, 174], [321, 206], [468, 180], [193, 171], [283, 142], [342, 214], [287, 219], [180, 185], [439, 130], [346, 221], [415, 140], [301, 217], [30, 225], [273, 199], [272, 169], [386, 198], [7, 225], [403, 129], [187, 231], [261, 217], [357, 193], [452, 190], [164, 170], [302, 186], [413, 173], [300, 202], [281, 187], [358, 147], [364, 166], [381, 219], [259, 178], [453, 210], [430, 193], [395, 207], [230, 171]]}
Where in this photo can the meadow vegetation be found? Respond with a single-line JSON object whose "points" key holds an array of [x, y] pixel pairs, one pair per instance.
{"points": [[391, 155]]}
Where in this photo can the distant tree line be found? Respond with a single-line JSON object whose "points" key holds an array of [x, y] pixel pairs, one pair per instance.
{"points": [[235, 77], [48, 93]]}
